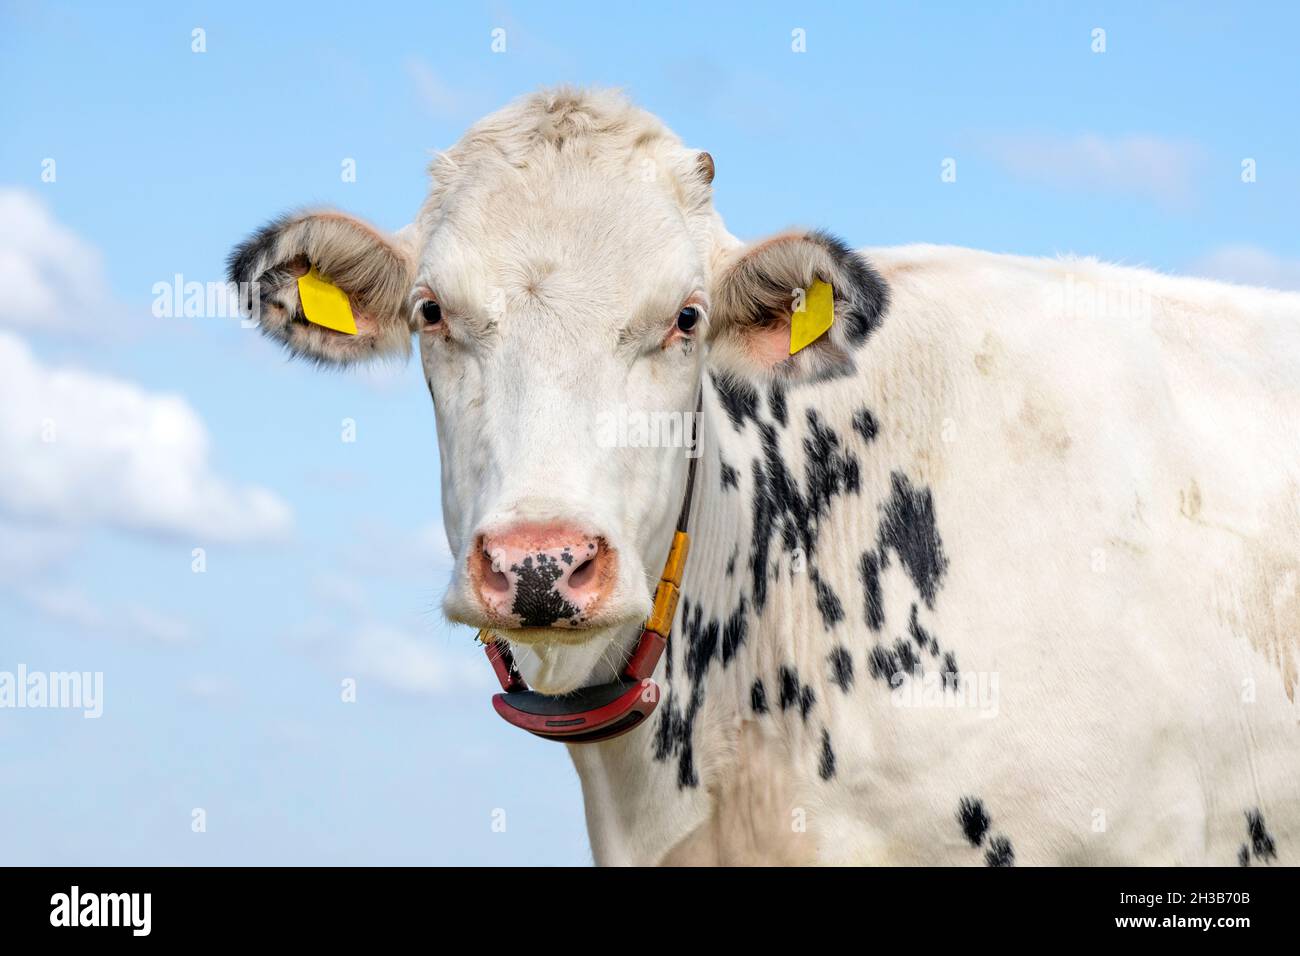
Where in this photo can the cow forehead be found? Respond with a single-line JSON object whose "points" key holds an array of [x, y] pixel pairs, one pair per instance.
{"points": [[578, 191], [581, 219], [601, 254]]}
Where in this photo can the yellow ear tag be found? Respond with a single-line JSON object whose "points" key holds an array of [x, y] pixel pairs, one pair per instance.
{"points": [[818, 315], [325, 304]]}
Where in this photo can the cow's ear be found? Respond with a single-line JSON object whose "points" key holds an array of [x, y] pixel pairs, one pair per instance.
{"points": [[771, 296], [372, 269]]}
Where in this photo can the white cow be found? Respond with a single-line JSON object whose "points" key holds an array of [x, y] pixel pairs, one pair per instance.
{"points": [[1000, 569]]}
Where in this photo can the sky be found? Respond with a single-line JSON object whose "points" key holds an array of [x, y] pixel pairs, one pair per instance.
{"points": [[235, 542]]}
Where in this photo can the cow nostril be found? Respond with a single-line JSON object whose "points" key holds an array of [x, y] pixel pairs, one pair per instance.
{"points": [[583, 573], [494, 579]]}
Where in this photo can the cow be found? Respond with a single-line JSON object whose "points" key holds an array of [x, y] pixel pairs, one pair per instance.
{"points": [[998, 569]]}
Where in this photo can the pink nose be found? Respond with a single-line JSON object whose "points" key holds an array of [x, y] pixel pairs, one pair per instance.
{"points": [[541, 575]]}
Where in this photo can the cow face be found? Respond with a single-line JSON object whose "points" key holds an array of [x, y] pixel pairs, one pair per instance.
{"points": [[563, 280]]}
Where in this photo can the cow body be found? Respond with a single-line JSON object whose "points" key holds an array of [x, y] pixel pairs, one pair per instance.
{"points": [[999, 568], [1074, 487]]}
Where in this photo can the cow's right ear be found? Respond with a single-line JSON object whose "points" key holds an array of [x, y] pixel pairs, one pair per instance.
{"points": [[375, 271]]}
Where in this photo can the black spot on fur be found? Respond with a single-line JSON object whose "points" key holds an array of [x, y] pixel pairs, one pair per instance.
{"points": [[776, 402], [536, 601], [702, 643], [730, 477], [677, 725], [951, 678], [908, 527], [869, 569], [826, 765], [734, 632], [806, 700], [774, 498], [906, 657], [789, 682], [924, 639], [889, 663], [865, 424], [842, 668], [831, 469], [704, 640], [673, 735], [739, 400], [793, 693], [827, 602], [882, 664], [974, 819], [731, 561], [791, 512], [1243, 856], [1000, 852], [1262, 845]]}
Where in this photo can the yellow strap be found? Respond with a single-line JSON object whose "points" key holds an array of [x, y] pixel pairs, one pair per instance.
{"points": [[661, 616]]}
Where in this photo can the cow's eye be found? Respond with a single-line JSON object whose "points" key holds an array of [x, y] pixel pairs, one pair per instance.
{"points": [[431, 312], [687, 318]]}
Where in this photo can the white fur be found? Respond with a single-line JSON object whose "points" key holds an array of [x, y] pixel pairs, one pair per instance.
{"points": [[1113, 462], [1117, 497]]}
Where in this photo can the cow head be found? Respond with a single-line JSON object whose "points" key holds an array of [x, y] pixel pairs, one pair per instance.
{"points": [[565, 280]]}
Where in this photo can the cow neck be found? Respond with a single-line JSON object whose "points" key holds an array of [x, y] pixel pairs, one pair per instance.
{"points": [[603, 711]]}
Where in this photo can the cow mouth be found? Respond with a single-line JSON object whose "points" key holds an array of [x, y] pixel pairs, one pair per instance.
{"points": [[553, 635]]}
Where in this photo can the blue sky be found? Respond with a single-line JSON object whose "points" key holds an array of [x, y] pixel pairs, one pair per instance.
{"points": [[324, 559]]}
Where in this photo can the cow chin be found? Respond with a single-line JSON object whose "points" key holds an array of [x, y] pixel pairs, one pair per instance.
{"points": [[560, 661]]}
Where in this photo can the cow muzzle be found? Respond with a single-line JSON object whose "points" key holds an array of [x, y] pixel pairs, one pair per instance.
{"points": [[542, 575]]}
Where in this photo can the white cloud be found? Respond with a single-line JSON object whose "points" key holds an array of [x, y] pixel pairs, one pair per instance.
{"points": [[421, 654], [1248, 265], [443, 661], [80, 448], [28, 552], [52, 279], [412, 665], [130, 621], [1137, 164], [33, 569]]}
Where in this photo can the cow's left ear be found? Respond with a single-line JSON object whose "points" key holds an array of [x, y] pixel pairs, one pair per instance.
{"points": [[771, 296]]}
